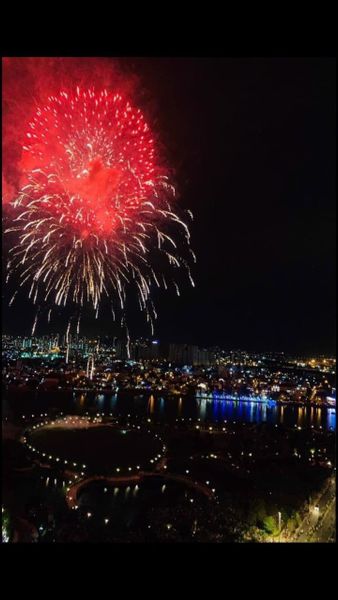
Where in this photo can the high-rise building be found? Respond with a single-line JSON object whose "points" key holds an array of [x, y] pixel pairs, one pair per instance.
{"points": [[186, 354], [26, 343]]}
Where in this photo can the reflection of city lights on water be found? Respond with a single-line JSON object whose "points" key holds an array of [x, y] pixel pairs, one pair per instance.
{"points": [[331, 418], [151, 404], [202, 409], [251, 413], [300, 415], [311, 414], [113, 401]]}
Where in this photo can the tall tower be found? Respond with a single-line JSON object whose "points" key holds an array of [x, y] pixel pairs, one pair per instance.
{"points": [[90, 366]]}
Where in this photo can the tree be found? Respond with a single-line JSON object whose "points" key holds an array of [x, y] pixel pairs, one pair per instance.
{"points": [[291, 524], [6, 526], [270, 525]]}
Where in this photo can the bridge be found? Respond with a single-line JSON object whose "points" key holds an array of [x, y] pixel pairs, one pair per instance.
{"points": [[73, 490]]}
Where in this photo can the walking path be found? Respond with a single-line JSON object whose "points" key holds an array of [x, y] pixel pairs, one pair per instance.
{"points": [[73, 491]]}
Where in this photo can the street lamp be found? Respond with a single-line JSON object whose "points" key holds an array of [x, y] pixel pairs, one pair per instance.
{"points": [[279, 523]]}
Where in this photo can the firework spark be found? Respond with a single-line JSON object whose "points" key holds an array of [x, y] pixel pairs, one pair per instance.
{"points": [[94, 212]]}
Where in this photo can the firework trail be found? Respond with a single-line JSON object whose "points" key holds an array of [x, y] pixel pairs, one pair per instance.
{"points": [[94, 212]]}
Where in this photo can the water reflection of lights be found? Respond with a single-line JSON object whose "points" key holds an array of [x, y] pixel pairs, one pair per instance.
{"points": [[282, 414], [251, 415], [235, 398], [151, 404], [113, 402], [319, 416], [331, 418]]}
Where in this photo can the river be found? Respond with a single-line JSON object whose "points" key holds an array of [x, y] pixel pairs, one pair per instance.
{"points": [[168, 409]]}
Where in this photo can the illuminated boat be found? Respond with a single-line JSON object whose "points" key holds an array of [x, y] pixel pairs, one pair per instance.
{"points": [[222, 396]]}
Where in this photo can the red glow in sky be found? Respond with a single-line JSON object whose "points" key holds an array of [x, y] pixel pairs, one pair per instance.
{"points": [[94, 153], [94, 147], [28, 85]]}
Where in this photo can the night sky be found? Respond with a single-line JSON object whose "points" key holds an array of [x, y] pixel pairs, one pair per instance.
{"points": [[252, 143]]}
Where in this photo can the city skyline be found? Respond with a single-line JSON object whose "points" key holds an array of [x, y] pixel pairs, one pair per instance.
{"points": [[59, 339]]}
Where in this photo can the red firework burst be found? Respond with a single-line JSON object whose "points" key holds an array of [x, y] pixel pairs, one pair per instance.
{"points": [[94, 202], [102, 154]]}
